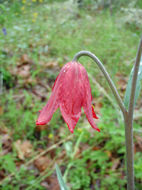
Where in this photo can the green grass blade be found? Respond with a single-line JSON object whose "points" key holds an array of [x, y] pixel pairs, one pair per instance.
{"points": [[138, 86], [60, 179]]}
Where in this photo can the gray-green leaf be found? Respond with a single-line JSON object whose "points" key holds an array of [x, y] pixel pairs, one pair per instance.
{"points": [[60, 179], [129, 85]]}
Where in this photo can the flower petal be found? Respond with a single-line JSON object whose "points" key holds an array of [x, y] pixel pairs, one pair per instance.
{"points": [[90, 118], [89, 111], [48, 110], [71, 96], [53, 103], [71, 120]]}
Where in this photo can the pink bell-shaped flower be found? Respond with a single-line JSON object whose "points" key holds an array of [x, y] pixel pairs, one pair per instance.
{"points": [[70, 92]]}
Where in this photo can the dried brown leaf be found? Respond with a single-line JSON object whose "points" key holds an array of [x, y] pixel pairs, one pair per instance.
{"points": [[53, 183], [50, 65], [42, 163], [25, 59], [24, 149]]}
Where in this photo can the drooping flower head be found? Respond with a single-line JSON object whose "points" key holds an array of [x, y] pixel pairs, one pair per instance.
{"points": [[71, 92]]}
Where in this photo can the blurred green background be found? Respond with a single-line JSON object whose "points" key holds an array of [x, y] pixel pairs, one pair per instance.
{"points": [[37, 37]]}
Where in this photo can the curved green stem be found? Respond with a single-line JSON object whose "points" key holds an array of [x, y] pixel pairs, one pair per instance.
{"points": [[109, 80]]}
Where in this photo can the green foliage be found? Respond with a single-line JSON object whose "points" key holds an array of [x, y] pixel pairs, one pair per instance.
{"points": [[7, 78], [2, 12], [138, 165], [16, 118], [22, 179], [78, 175], [95, 164], [139, 4], [138, 170], [7, 163]]}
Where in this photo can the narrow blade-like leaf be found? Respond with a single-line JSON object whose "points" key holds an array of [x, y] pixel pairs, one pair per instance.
{"points": [[129, 85], [60, 179]]}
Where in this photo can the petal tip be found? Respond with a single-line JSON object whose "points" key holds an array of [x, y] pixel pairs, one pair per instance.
{"points": [[40, 123], [98, 129], [71, 131], [96, 117]]}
